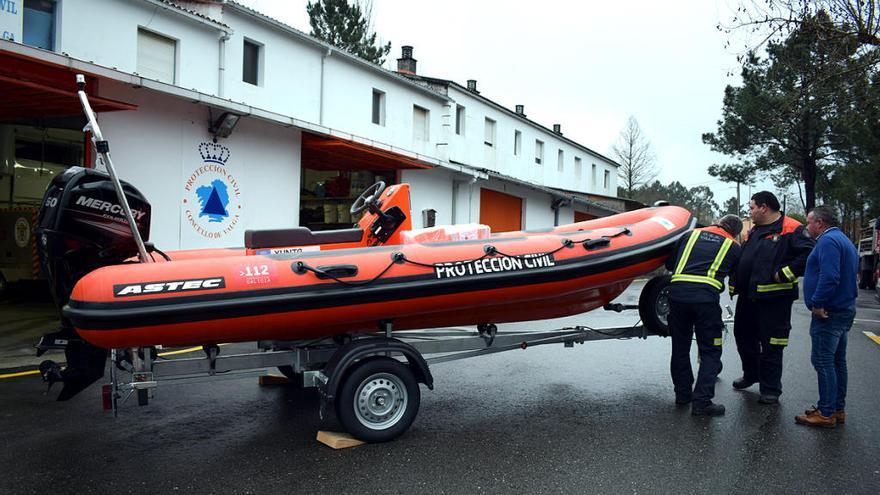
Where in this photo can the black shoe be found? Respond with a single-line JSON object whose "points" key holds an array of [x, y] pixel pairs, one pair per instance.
{"points": [[768, 399], [741, 383], [710, 410], [682, 400]]}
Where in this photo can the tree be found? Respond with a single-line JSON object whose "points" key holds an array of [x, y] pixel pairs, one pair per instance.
{"points": [[777, 19], [699, 200], [637, 161], [739, 174], [733, 207], [782, 115], [347, 26]]}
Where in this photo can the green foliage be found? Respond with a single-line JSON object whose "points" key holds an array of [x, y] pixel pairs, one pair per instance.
{"points": [[699, 199], [783, 115], [733, 207], [346, 26]]}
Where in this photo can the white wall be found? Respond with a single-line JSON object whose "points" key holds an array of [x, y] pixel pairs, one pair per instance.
{"points": [[156, 148], [291, 70], [430, 189], [105, 32], [471, 149], [348, 104]]}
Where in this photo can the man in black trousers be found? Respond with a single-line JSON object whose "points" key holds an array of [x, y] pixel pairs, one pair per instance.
{"points": [[774, 255], [701, 262]]}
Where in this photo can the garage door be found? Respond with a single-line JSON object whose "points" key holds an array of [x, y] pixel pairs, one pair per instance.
{"points": [[502, 212]]}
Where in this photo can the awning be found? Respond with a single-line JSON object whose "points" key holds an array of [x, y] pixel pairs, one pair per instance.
{"points": [[331, 153], [34, 88]]}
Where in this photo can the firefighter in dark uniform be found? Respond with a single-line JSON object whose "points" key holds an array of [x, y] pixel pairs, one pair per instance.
{"points": [[701, 262], [774, 256]]}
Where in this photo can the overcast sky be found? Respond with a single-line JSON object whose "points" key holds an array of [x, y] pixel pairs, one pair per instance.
{"points": [[585, 65]]}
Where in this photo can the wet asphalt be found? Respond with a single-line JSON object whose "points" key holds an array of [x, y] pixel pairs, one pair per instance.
{"points": [[598, 418]]}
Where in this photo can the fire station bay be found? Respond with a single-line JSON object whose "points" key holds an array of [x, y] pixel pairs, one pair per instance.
{"points": [[227, 120]]}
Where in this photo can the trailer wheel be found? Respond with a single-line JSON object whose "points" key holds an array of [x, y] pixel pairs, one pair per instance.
{"points": [[654, 305], [378, 400]]}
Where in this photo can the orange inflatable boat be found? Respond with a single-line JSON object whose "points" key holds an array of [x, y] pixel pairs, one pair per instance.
{"points": [[295, 284]]}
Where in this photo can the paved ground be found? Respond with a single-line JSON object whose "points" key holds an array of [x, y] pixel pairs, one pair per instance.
{"points": [[598, 418]]}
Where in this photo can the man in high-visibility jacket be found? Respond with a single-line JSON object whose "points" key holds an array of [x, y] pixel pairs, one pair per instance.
{"points": [[774, 256], [701, 262]]}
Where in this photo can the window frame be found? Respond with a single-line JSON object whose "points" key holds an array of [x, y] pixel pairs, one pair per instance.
{"points": [[460, 115], [426, 137], [377, 104], [539, 152], [260, 48], [490, 128]]}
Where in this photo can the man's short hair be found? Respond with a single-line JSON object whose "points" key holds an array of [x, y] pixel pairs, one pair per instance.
{"points": [[731, 224], [766, 198], [827, 214]]}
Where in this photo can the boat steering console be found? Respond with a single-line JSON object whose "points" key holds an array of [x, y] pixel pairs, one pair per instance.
{"points": [[387, 221]]}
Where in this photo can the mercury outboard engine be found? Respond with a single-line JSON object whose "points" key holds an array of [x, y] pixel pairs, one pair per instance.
{"points": [[82, 227]]}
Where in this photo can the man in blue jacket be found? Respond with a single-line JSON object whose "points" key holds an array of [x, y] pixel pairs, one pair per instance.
{"points": [[830, 293]]}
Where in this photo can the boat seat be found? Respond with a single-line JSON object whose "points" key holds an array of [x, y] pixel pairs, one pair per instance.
{"points": [[299, 236]]}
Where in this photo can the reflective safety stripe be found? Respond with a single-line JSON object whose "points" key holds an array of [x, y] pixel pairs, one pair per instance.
{"points": [[718, 341], [687, 251], [719, 258], [788, 273], [681, 277], [775, 341], [776, 287]]}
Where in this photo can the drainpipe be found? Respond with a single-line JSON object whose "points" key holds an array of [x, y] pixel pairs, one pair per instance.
{"points": [[221, 75], [326, 54], [556, 205]]}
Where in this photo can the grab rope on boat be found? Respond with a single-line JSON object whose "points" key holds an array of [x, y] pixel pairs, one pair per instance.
{"points": [[301, 267]]}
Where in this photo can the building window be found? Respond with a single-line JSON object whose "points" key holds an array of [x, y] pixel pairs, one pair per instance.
{"points": [[578, 166], [593, 177], [539, 151], [39, 23], [378, 107], [517, 143], [156, 56], [420, 123], [607, 180], [459, 120], [489, 138], [252, 62], [560, 161]]}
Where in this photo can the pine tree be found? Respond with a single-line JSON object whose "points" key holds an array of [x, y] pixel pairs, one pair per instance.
{"points": [[346, 26]]}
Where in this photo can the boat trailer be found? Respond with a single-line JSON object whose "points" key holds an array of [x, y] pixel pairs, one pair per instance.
{"points": [[371, 379]]}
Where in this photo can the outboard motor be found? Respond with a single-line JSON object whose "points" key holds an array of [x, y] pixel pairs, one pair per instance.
{"points": [[82, 227]]}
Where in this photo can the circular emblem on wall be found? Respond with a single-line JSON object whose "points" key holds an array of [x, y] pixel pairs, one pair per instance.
{"points": [[22, 232], [211, 199]]}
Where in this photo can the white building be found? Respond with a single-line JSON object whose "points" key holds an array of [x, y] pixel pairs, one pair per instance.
{"points": [[315, 124]]}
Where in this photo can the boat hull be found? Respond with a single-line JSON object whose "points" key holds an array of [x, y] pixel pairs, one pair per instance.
{"points": [[510, 277]]}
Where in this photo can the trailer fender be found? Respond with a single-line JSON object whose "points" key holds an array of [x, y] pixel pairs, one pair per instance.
{"points": [[359, 349]]}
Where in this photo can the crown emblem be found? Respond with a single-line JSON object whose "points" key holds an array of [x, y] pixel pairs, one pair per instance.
{"points": [[214, 153]]}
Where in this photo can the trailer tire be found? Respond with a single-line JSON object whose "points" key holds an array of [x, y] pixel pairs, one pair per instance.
{"points": [[654, 305], [378, 399]]}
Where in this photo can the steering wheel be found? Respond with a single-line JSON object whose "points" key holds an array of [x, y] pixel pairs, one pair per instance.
{"points": [[368, 199]]}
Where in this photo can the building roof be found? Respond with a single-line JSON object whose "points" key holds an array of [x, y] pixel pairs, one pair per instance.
{"points": [[168, 4], [512, 113]]}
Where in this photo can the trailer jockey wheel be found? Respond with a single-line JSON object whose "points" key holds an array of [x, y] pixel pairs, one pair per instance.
{"points": [[654, 305], [369, 197], [378, 399]]}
